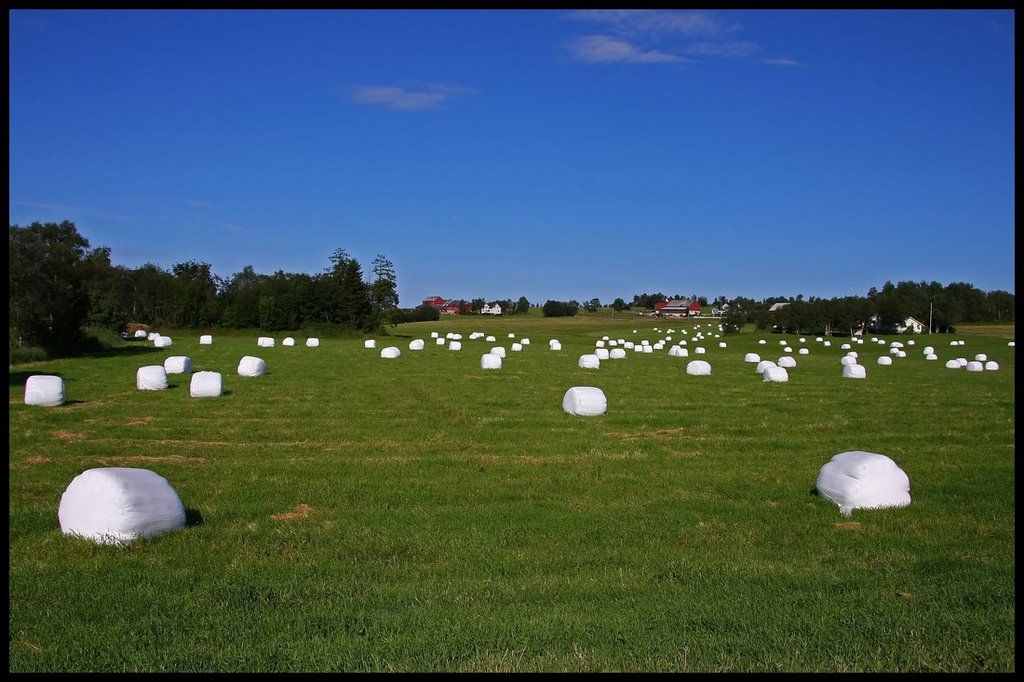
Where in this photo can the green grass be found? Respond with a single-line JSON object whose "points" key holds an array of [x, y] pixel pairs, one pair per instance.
{"points": [[349, 513]]}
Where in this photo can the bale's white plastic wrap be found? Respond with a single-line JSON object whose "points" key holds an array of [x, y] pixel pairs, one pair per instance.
{"points": [[721, 344], [845, 346], [516, 347], [752, 357], [45, 390], [118, 505], [601, 353], [975, 366], [490, 361], [931, 356], [884, 360], [787, 361], [776, 374], [206, 340], [927, 350], [288, 341], [617, 353], [370, 343], [416, 344], [992, 365], [178, 364], [163, 342], [585, 401], [499, 351], [953, 364], [152, 336], [804, 351], [525, 341], [433, 335], [763, 365], [511, 335], [251, 366], [441, 340], [854, 372], [490, 339], [863, 480], [151, 378], [699, 368], [554, 345], [699, 350], [673, 351], [847, 360], [761, 342], [390, 353], [265, 342], [787, 349], [599, 343], [312, 342], [140, 333], [981, 357], [589, 361], [826, 343], [206, 385], [455, 345]]}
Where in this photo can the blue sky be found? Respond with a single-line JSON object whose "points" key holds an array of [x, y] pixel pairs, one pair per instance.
{"points": [[541, 153]]}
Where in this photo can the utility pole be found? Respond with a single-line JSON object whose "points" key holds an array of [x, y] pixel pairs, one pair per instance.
{"points": [[930, 317]]}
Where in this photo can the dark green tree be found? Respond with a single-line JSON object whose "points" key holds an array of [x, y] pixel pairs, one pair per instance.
{"points": [[383, 291]]}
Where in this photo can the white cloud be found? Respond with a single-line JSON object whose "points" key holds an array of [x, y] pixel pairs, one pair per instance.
{"points": [[781, 61], [723, 49], [395, 97], [605, 49], [678, 22]]}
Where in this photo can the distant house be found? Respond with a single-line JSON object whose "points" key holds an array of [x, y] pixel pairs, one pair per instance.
{"points": [[452, 307], [677, 307], [491, 309], [776, 307], [434, 301], [910, 324]]}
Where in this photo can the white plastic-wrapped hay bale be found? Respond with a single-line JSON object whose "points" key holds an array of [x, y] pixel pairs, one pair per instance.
{"points": [[554, 345], [783, 342], [698, 368], [151, 378], [762, 365], [884, 360], [992, 365], [802, 340], [629, 345], [585, 401], [981, 357], [288, 341], [804, 351], [845, 346], [265, 342], [673, 351], [776, 374], [45, 390], [617, 353], [206, 384], [490, 339], [787, 361], [847, 360], [370, 344], [118, 505], [927, 349], [140, 333], [163, 342], [599, 343], [516, 347], [975, 366], [455, 345], [787, 349], [433, 335], [490, 361], [931, 356], [722, 344], [647, 349], [761, 342], [826, 344], [525, 341], [852, 354], [390, 353], [441, 340], [312, 342], [589, 361], [1011, 344], [854, 372], [699, 350], [251, 366], [178, 364], [499, 351], [152, 336], [863, 480], [601, 353], [901, 354], [953, 364], [416, 344], [206, 340]]}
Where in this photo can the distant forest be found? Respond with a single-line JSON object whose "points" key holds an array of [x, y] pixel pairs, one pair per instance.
{"points": [[61, 288]]}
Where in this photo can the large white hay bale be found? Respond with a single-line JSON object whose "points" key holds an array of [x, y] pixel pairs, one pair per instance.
{"points": [[910, 342], [721, 344], [554, 345], [953, 364], [140, 333], [804, 351], [599, 343], [416, 344], [499, 351], [852, 354], [251, 366], [802, 340], [884, 360], [847, 360], [163, 342], [46, 390], [975, 366], [524, 341], [863, 480], [962, 361], [152, 336], [981, 357], [684, 353], [901, 354], [601, 353], [761, 342], [118, 505], [927, 349], [433, 335], [845, 346], [589, 361], [390, 353], [151, 378], [992, 365], [490, 339], [312, 342], [205, 340], [206, 385], [490, 361], [516, 347], [178, 364], [455, 345], [441, 340], [826, 344], [673, 351], [931, 356], [854, 372], [585, 401], [370, 344], [787, 361], [787, 349], [698, 368], [647, 349], [1011, 344], [818, 339], [288, 341], [776, 374], [265, 342], [763, 365], [783, 342], [511, 335], [699, 350], [617, 353], [629, 345]]}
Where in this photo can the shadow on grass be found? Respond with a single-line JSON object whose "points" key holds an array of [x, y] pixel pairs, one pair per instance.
{"points": [[193, 517]]}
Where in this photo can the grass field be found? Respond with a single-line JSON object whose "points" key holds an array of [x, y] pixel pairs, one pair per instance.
{"points": [[351, 513]]}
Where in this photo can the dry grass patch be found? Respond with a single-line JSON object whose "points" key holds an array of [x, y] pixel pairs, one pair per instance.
{"points": [[298, 513]]}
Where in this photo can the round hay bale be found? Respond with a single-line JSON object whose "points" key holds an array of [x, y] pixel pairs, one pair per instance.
{"points": [[787, 349], [554, 345], [787, 361], [265, 342], [524, 341], [152, 336], [927, 349], [312, 342], [975, 366], [931, 356], [490, 361], [390, 353], [151, 378], [1010, 344], [699, 350], [45, 390], [490, 339], [516, 347], [440, 341], [884, 360], [416, 344], [826, 344], [992, 365], [433, 335], [118, 505], [863, 480], [499, 351], [761, 342], [981, 357], [721, 344], [601, 353], [647, 349], [698, 368], [845, 346], [455, 345], [205, 340], [854, 372], [901, 354], [629, 345], [288, 341], [163, 341], [140, 333], [206, 385], [585, 401], [370, 344], [776, 374], [251, 366], [762, 365], [617, 353], [804, 351], [953, 364], [599, 343], [178, 364], [962, 361], [589, 361], [847, 360]]}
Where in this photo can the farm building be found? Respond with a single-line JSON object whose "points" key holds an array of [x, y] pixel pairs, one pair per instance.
{"points": [[491, 309], [677, 307]]}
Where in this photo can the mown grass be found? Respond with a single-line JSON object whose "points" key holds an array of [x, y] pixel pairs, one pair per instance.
{"points": [[349, 513]]}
